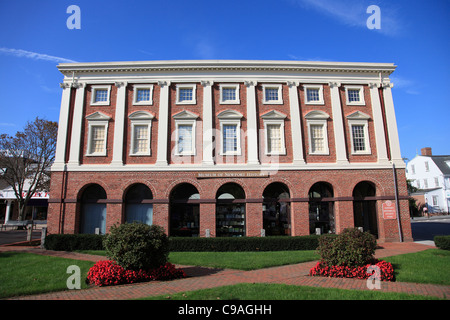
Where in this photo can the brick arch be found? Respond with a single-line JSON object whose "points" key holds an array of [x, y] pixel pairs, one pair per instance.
{"points": [[177, 182], [86, 185], [269, 181], [379, 190], [336, 187], [239, 182], [129, 183]]}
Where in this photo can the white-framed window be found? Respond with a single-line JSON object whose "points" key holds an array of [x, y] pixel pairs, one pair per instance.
{"points": [[272, 93], [229, 94], [436, 181], [425, 183], [435, 201], [186, 93], [141, 133], [413, 169], [142, 94], [427, 166], [355, 95], [274, 133], [359, 132], [100, 95], [97, 134], [185, 133], [317, 132], [230, 128], [313, 94]]}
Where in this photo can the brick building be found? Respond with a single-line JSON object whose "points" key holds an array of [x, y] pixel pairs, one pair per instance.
{"points": [[228, 148]]}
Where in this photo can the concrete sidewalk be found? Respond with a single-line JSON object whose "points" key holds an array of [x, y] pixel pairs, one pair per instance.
{"points": [[203, 278]]}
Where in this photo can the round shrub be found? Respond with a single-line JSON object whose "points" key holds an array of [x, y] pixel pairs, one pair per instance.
{"points": [[350, 248], [137, 246]]}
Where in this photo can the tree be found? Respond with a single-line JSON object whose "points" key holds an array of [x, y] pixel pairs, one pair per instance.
{"points": [[25, 159]]}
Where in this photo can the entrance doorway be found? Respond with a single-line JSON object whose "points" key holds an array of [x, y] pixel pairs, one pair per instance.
{"points": [[230, 211], [365, 208], [93, 210], [276, 210], [184, 211], [321, 209]]}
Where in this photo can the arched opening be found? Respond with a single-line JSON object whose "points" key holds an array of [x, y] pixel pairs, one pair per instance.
{"points": [[184, 211], [321, 209], [93, 210], [276, 210], [230, 211], [365, 207], [137, 205]]}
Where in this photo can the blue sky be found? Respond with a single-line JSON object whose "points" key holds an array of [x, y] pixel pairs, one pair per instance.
{"points": [[414, 35]]}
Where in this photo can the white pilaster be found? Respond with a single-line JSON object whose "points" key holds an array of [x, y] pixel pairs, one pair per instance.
{"points": [[207, 123], [378, 123], [296, 126], [252, 124], [391, 124], [119, 124], [8, 210], [75, 144], [338, 124], [61, 142], [163, 123]]}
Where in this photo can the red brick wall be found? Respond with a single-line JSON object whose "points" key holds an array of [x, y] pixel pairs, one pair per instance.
{"points": [[298, 182]]}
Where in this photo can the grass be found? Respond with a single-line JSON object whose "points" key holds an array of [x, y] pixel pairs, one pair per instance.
{"points": [[261, 291], [242, 260], [429, 266], [26, 273]]}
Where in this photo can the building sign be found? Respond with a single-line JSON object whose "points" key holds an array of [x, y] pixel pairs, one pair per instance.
{"points": [[389, 210], [232, 174]]}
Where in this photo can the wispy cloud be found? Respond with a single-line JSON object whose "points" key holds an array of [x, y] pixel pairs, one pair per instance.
{"points": [[407, 85], [354, 13], [33, 55]]}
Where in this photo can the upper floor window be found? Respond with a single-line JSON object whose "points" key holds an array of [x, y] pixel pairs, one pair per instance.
{"points": [[355, 95], [272, 94], [318, 133], [230, 126], [141, 130], [359, 132], [427, 166], [229, 94], [274, 133], [186, 94], [97, 134], [313, 94], [100, 95], [143, 94], [185, 127]]}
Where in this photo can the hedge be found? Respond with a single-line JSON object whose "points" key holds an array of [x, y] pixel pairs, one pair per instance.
{"points": [[70, 242], [442, 242]]}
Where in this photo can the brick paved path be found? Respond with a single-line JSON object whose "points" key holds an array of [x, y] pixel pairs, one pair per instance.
{"points": [[203, 278]]}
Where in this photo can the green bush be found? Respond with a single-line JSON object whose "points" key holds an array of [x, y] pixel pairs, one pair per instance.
{"points": [[442, 242], [350, 248], [71, 242], [136, 246], [275, 243]]}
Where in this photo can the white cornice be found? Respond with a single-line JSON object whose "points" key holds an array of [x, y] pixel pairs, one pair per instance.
{"points": [[225, 65]]}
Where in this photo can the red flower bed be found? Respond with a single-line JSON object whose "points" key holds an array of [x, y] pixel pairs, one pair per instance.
{"points": [[106, 273], [386, 271]]}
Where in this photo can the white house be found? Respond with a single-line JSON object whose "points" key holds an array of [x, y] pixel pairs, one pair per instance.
{"points": [[431, 175]]}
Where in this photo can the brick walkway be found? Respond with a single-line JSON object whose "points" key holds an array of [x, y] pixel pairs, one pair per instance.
{"points": [[203, 278]]}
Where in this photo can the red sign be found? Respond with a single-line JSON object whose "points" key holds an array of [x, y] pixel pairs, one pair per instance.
{"points": [[389, 210]]}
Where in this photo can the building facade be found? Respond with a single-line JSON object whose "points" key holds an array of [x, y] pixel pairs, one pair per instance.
{"points": [[431, 176], [228, 148]]}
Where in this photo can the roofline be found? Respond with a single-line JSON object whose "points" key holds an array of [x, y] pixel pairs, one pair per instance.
{"points": [[218, 65]]}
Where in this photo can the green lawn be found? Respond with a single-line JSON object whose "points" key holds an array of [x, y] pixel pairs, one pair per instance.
{"points": [[262, 291], [429, 266], [26, 273], [242, 260]]}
